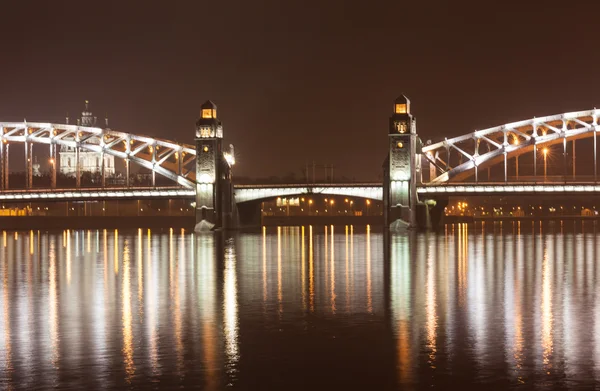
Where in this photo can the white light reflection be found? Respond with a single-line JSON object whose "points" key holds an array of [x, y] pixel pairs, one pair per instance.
{"points": [[430, 306], [230, 310], [547, 317]]}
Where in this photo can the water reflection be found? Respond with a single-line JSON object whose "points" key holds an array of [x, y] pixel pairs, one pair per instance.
{"points": [[502, 305]]}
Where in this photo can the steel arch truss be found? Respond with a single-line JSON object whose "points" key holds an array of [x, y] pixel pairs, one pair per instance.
{"points": [[460, 157], [171, 160]]}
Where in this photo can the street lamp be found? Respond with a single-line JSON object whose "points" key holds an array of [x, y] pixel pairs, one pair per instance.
{"points": [[331, 203], [310, 202], [516, 142], [368, 204], [545, 161]]}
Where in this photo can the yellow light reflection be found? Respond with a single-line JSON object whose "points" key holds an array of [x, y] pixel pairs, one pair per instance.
{"points": [[311, 271], [430, 309], [140, 256], [4, 238], [264, 264], [116, 252], [347, 275], [333, 307], [31, 242], [303, 278], [6, 318], [68, 251], [369, 286], [53, 304], [279, 282], [175, 299], [126, 315], [89, 241], [547, 316]]}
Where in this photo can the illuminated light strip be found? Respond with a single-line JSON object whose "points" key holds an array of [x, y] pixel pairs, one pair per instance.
{"points": [[509, 189], [97, 194]]}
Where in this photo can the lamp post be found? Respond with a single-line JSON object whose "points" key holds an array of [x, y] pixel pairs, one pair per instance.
{"points": [[545, 162], [368, 204], [310, 202]]}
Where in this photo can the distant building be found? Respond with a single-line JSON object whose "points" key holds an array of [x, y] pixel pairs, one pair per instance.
{"points": [[88, 161]]}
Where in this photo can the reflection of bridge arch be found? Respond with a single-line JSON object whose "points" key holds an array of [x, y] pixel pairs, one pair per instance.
{"points": [[247, 193], [169, 159], [501, 143]]}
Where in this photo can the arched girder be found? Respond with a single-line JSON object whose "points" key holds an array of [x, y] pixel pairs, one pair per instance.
{"points": [[545, 131], [126, 146]]}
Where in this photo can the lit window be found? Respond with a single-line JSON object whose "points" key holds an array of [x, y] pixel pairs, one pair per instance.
{"points": [[208, 113], [400, 108], [205, 149], [400, 145], [205, 132]]}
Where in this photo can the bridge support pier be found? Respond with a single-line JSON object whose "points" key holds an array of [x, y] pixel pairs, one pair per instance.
{"points": [[401, 169], [215, 203]]}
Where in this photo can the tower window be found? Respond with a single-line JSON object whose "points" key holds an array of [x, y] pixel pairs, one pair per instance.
{"points": [[401, 108], [209, 113], [205, 132]]}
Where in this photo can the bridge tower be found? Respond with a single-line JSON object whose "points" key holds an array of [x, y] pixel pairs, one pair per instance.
{"points": [[401, 166], [214, 189]]}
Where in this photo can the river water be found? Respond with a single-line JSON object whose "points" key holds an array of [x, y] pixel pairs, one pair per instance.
{"points": [[502, 306]]}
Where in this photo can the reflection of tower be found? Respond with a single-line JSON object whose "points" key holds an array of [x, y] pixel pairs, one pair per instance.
{"points": [[88, 161], [400, 196]]}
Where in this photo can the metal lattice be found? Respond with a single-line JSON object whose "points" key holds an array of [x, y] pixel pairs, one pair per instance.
{"points": [[487, 147], [171, 160]]}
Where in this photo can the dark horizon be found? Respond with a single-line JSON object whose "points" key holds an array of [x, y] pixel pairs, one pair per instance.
{"points": [[317, 83]]}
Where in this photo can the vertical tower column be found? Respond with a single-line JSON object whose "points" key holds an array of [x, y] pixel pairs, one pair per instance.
{"points": [[400, 170], [213, 172], [208, 149], [28, 165]]}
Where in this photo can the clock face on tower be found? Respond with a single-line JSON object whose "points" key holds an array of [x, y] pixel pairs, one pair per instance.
{"points": [[401, 127]]}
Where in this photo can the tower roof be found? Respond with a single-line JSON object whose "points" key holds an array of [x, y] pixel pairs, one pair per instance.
{"points": [[402, 99], [209, 104]]}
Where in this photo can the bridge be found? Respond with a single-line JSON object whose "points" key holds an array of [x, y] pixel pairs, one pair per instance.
{"points": [[418, 176]]}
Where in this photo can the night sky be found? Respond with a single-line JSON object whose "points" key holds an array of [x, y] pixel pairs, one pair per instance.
{"points": [[298, 81]]}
